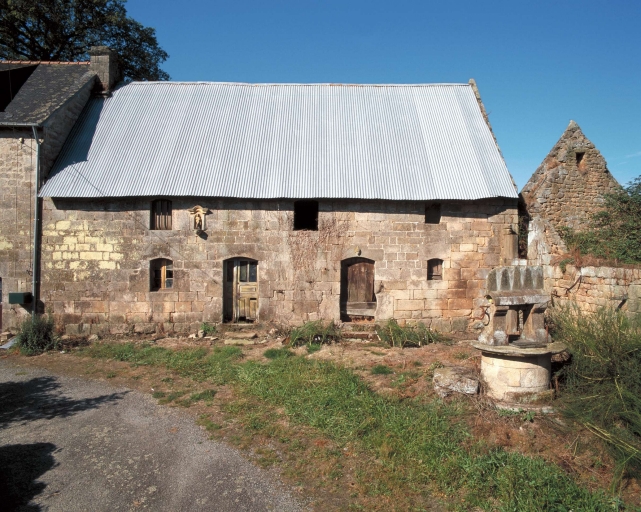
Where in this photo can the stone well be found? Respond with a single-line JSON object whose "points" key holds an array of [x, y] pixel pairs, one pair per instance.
{"points": [[517, 375]]}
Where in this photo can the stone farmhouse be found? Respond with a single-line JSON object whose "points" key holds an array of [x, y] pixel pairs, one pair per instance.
{"points": [[154, 207]]}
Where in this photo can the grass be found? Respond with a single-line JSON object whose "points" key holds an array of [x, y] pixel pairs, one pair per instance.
{"points": [[416, 448], [603, 381], [278, 353], [407, 336], [381, 369]]}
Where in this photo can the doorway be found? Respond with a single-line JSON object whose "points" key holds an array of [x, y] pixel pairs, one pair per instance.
{"points": [[240, 290], [358, 301]]}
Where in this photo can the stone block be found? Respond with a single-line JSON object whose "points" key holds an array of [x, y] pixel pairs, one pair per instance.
{"points": [[454, 380]]}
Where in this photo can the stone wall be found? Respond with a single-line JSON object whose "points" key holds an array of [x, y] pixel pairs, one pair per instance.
{"points": [[594, 287], [17, 182], [96, 256], [18, 151]]}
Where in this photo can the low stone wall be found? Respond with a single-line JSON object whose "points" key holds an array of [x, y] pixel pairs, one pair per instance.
{"points": [[594, 287]]}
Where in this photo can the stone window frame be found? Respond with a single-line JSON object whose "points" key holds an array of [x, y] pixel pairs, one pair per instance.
{"points": [[435, 269], [161, 215], [433, 213], [161, 274]]}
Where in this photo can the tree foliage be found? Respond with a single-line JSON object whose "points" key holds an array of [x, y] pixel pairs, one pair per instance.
{"points": [[615, 232], [64, 30]]}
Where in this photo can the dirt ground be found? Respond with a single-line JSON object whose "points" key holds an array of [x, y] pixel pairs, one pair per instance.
{"points": [[548, 436]]}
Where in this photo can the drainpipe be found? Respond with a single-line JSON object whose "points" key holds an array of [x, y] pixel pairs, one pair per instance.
{"points": [[35, 284]]}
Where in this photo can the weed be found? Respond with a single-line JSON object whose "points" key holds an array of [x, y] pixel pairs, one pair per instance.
{"points": [[377, 353], [528, 416], [603, 380], [408, 336], [110, 375], [208, 329], [461, 355], [417, 363], [277, 353], [381, 369], [159, 394], [37, 335], [508, 413], [210, 426], [206, 395], [313, 347], [315, 332]]}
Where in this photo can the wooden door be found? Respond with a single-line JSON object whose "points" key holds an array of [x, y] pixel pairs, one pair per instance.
{"points": [[358, 288], [240, 291]]}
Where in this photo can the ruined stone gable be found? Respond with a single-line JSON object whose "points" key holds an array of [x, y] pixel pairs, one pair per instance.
{"points": [[569, 185]]}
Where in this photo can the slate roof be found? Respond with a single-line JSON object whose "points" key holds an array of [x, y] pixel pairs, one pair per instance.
{"points": [[48, 88], [260, 141]]}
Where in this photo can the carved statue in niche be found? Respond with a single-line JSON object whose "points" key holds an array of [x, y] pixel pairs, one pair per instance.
{"points": [[198, 218]]}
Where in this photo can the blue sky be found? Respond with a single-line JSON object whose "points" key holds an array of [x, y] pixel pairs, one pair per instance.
{"points": [[538, 64]]}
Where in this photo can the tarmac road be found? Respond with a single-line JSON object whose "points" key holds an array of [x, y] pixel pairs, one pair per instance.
{"points": [[69, 444]]}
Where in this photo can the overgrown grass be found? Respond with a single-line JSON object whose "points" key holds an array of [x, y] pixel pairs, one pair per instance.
{"points": [[603, 381], [316, 332], [415, 335], [381, 369], [37, 335], [208, 329], [420, 447], [278, 353]]}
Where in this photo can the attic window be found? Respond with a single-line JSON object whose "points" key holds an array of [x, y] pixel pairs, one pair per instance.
{"points": [[433, 213], [161, 215], [435, 270], [579, 159], [306, 215]]}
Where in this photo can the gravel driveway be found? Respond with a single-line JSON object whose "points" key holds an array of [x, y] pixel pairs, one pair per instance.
{"points": [[71, 444]]}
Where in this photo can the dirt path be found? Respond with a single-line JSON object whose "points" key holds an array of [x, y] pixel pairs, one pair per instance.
{"points": [[72, 444]]}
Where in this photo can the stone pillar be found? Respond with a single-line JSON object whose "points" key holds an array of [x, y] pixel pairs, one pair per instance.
{"points": [[104, 62]]}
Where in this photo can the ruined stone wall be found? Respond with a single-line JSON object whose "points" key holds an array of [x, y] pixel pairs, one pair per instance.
{"points": [[568, 188], [96, 256], [594, 287]]}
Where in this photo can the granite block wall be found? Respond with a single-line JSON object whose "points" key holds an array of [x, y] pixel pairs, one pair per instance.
{"points": [[96, 257]]}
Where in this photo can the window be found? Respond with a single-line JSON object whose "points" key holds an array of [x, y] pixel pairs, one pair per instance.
{"points": [[306, 215], [433, 213], [161, 274], [435, 270], [161, 214], [247, 271], [579, 159]]}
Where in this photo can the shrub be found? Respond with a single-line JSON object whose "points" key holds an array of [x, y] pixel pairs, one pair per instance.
{"points": [[407, 336], [37, 335], [603, 380], [613, 233], [208, 328], [315, 332]]}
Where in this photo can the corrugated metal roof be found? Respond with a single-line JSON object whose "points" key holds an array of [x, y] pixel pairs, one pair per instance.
{"points": [[397, 142]]}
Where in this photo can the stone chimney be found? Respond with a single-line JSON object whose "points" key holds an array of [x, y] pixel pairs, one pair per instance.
{"points": [[104, 62]]}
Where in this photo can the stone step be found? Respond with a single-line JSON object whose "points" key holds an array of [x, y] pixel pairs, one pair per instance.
{"points": [[244, 335], [239, 341]]}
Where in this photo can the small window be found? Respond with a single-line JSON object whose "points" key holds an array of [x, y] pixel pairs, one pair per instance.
{"points": [[161, 274], [161, 214], [306, 215], [433, 213], [579, 159], [435, 270], [247, 271]]}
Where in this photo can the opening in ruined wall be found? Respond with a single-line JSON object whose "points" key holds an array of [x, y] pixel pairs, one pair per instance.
{"points": [[433, 213], [306, 215], [161, 274], [579, 160], [435, 270], [524, 228]]}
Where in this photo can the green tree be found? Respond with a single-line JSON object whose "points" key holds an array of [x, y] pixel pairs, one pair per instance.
{"points": [[66, 29]]}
